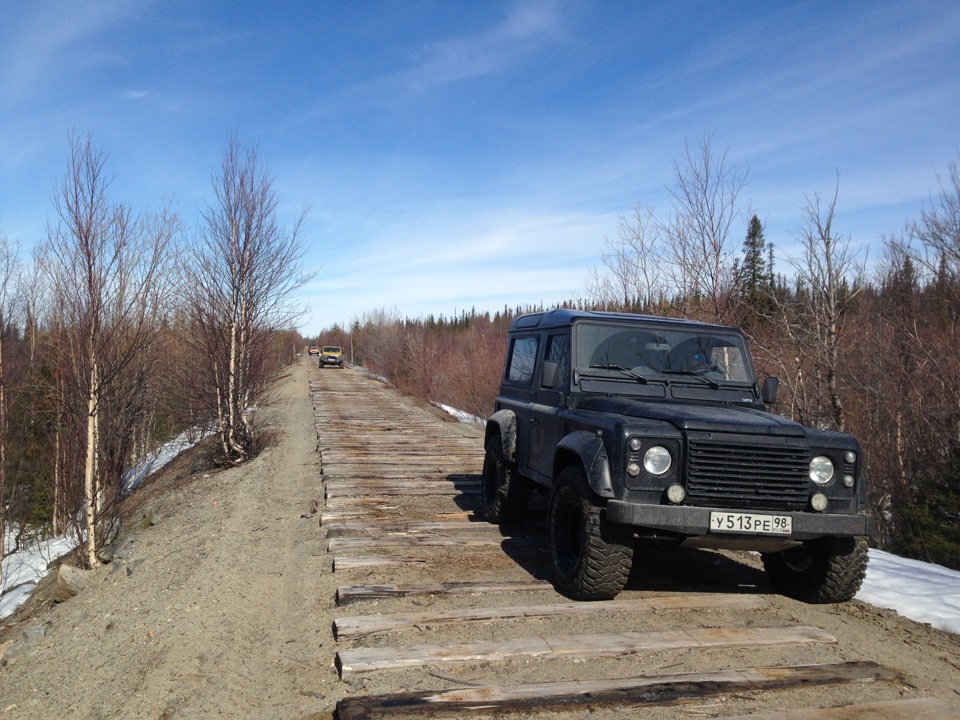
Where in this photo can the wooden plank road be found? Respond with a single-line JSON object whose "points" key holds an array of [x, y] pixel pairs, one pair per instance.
{"points": [[443, 598]]}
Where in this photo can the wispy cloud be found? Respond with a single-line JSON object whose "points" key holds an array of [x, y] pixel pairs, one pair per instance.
{"points": [[527, 27], [44, 41]]}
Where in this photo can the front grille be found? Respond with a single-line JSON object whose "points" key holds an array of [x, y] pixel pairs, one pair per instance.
{"points": [[726, 474]]}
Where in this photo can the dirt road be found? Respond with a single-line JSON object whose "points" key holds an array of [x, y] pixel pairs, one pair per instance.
{"points": [[239, 602]]}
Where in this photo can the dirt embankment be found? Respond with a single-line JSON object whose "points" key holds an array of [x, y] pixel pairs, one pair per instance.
{"points": [[224, 606]]}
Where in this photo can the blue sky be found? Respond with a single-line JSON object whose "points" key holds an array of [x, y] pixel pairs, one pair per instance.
{"points": [[459, 154]]}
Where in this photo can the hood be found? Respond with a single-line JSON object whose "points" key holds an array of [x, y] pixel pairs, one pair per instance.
{"points": [[705, 418]]}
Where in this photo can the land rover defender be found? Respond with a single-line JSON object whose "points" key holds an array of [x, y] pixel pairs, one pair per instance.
{"points": [[643, 429]]}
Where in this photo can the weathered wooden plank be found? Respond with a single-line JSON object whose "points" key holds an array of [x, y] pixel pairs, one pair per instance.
{"points": [[576, 646], [394, 489], [370, 624], [339, 544], [376, 515], [926, 708], [346, 562], [392, 527], [645, 690], [356, 593]]}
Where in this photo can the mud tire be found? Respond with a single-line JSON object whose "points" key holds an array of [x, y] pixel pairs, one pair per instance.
{"points": [[503, 493], [591, 558], [826, 570]]}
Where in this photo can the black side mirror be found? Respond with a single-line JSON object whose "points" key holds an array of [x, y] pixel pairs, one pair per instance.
{"points": [[550, 374], [770, 386]]}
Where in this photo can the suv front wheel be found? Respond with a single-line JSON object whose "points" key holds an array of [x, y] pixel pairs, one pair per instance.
{"points": [[827, 570], [591, 557]]}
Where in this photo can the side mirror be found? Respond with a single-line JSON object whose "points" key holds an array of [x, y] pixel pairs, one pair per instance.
{"points": [[550, 374], [770, 386]]}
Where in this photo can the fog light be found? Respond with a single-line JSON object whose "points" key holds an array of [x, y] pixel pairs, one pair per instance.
{"points": [[676, 494], [848, 481], [633, 469], [818, 502]]}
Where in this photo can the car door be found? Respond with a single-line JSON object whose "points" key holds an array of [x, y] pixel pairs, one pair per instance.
{"points": [[547, 423]]}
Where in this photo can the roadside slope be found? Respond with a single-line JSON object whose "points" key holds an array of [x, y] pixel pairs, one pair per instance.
{"points": [[211, 612]]}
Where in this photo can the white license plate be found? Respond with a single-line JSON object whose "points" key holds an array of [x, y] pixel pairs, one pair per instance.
{"points": [[733, 522]]}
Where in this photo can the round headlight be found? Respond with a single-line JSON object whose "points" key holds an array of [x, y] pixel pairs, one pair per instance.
{"points": [[821, 469], [657, 460]]}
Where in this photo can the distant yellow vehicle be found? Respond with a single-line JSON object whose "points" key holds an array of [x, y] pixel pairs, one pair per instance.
{"points": [[314, 350], [331, 355]]}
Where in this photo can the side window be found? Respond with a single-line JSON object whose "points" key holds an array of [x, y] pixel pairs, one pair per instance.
{"points": [[523, 358], [558, 351]]}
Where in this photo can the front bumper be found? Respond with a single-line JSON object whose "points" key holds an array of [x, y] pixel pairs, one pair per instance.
{"points": [[331, 361], [695, 521]]}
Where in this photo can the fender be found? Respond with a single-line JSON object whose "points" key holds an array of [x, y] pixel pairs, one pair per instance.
{"points": [[506, 422], [590, 449]]}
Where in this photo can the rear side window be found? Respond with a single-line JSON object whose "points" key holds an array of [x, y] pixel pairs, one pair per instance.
{"points": [[523, 358], [558, 351]]}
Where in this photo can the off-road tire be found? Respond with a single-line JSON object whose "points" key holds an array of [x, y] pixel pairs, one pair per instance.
{"points": [[827, 570], [503, 493], [591, 557]]}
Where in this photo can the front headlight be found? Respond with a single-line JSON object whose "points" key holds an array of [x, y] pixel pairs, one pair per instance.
{"points": [[657, 460], [821, 470]]}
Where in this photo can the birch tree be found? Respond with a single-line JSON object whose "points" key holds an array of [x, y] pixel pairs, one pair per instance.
{"points": [[107, 270], [830, 271], [240, 277], [8, 298], [705, 194]]}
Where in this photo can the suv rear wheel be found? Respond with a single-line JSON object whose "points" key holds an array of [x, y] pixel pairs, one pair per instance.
{"points": [[591, 558], [827, 570], [503, 493]]}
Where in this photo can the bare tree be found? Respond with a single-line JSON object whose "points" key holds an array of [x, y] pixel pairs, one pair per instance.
{"points": [[830, 272], [634, 276], [938, 230], [239, 280], [106, 268], [705, 194], [9, 269]]}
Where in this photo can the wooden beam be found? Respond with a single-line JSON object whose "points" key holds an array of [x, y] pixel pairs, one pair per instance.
{"points": [[355, 593], [370, 624], [346, 562], [364, 529], [645, 690], [365, 543], [572, 646], [347, 489]]}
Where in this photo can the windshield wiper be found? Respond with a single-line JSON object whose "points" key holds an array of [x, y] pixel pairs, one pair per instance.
{"points": [[693, 373], [635, 375]]}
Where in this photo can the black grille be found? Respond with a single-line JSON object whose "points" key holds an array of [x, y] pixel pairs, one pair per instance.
{"points": [[744, 475]]}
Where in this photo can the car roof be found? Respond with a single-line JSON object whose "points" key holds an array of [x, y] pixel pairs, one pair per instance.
{"points": [[565, 318]]}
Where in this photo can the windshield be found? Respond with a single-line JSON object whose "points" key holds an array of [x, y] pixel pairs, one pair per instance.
{"points": [[331, 349], [662, 353]]}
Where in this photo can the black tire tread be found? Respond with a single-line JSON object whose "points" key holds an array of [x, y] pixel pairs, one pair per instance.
{"points": [[505, 501], [836, 572], [603, 567]]}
